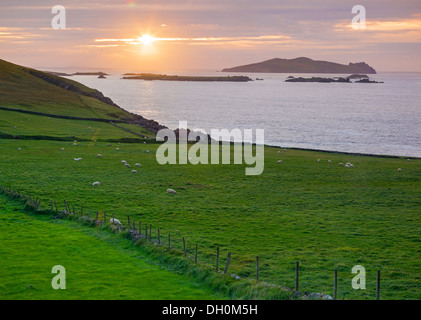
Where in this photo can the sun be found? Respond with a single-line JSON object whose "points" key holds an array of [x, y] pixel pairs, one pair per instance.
{"points": [[146, 39]]}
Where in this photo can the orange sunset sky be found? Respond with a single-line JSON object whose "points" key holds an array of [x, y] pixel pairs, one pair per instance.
{"points": [[160, 35]]}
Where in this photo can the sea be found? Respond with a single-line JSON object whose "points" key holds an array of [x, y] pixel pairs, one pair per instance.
{"points": [[375, 118]]}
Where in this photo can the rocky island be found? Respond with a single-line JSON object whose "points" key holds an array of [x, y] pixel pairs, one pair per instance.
{"points": [[303, 65], [362, 79], [164, 77]]}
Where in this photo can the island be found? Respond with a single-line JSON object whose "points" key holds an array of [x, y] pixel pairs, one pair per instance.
{"points": [[361, 78], [303, 65], [164, 77]]}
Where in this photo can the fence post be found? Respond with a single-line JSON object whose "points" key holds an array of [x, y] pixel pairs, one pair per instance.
{"points": [[150, 232], [335, 285], [297, 275], [184, 245], [378, 286], [257, 268], [195, 255], [227, 263], [146, 232], [51, 205], [169, 241], [217, 258], [140, 228], [128, 221]]}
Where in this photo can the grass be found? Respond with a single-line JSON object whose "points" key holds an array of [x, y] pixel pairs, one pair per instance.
{"points": [[321, 214], [99, 264]]}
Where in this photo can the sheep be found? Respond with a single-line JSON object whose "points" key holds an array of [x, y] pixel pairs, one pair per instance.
{"points": [[99, 155], [115, 221], [77, 159], [341, 164], [134, 171], [279, 152], [318, 160], [171, 191], [399, 170], [147, 151], [127, 165], [138, 165], [329, 161], [19, 149], [109, 144], [62, 149], [123, 161], [144, 142], [96, 183], [117, 149], [285, 150], [349, 165], [75, 144], [279, 161]]}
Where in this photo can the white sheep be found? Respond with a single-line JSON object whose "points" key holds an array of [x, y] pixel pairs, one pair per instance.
{"points": [[329, 161], [399, 170], [138, 165], [62, 149], [134, 171], [96, 183], [123, 161], [117, 149], [279, 151], [279, 161], [77, 159], [147, 151], [341, 164], [19, 149], [75, 144], [171, 191], [115, 221], [127, 165], [99, 155], [318, 160]]}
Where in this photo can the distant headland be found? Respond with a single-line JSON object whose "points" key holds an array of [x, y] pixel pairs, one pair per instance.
{"points": [[302, 65]]}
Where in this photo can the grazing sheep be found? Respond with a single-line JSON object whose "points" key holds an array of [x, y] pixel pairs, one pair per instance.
{"points": [[75, 144], [285, 150], [123, 161], [115, 221], [117, 149], [134, 171], [138, 165], [99, 155], [171, 191], [19, 149], [127, 165], [62, 149], [147, 151], [329, 161], [279, 152], [341, 164], [399, 170], [96, 183], [279, 161], [109, 144], [318, 160], [77, 159], [144, 142]]}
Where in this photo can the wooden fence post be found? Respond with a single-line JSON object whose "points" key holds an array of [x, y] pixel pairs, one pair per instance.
{"points": [[150, 232], [297, 275], [128, 221], [335, 285], [195, 255], [257, 268], [184, 245], [169, 241], [146, 232], [217, 258], [227, 263], [378, 286], [140, 228]]}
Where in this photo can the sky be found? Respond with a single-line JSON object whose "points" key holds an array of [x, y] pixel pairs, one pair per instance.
{"points": [[162, 35]]}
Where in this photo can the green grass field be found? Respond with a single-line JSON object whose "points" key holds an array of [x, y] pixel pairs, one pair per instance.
{"points": [[99, 264], [323, 215]]}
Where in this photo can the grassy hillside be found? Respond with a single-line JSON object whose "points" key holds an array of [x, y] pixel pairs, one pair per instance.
{"points": [[99, 265], [320, 214]]}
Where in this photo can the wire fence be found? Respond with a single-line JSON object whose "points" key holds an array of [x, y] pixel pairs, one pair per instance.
{"points": [[306, 281]]}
